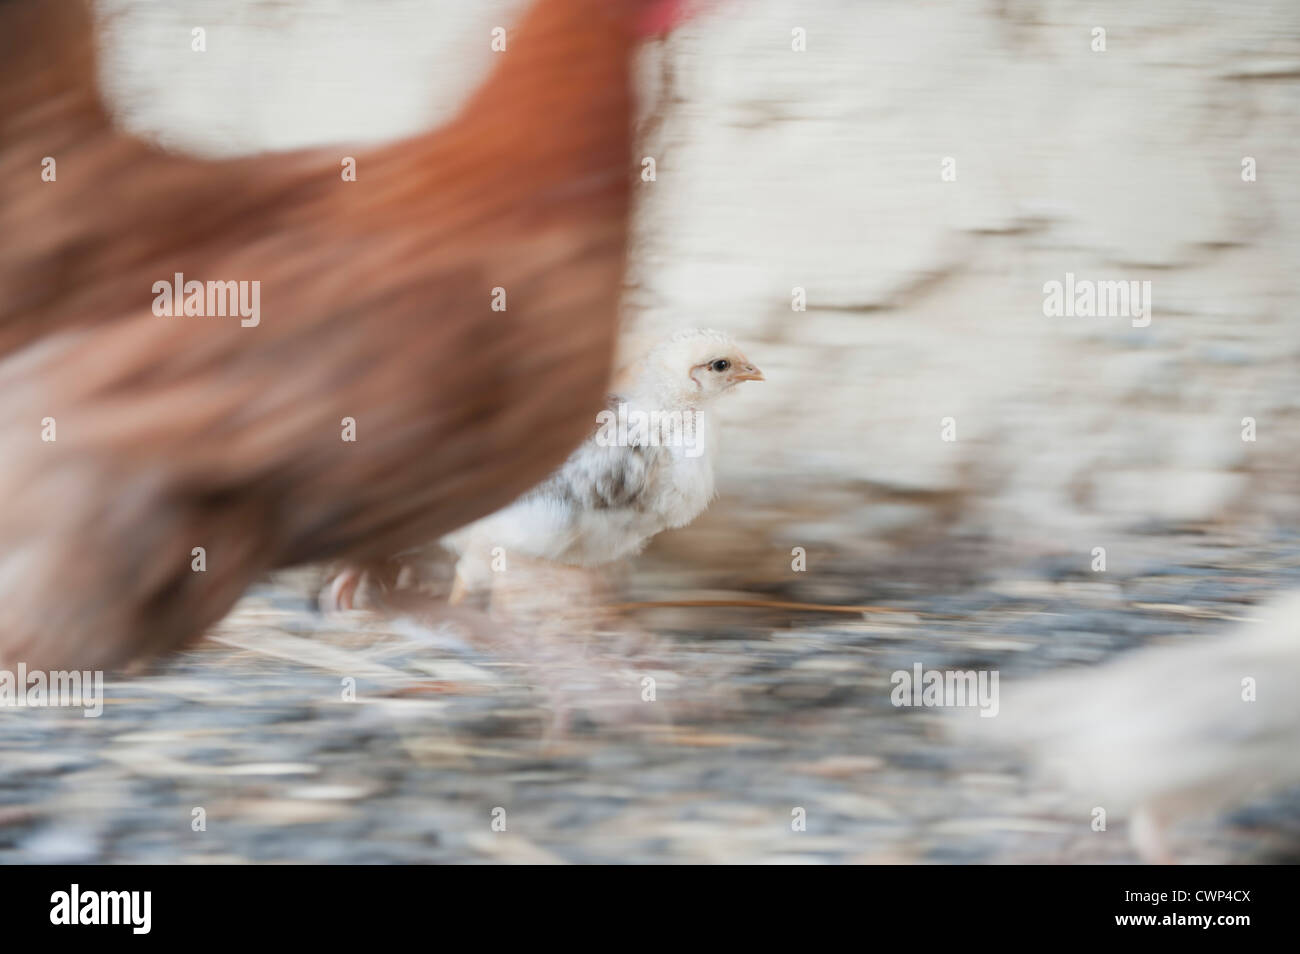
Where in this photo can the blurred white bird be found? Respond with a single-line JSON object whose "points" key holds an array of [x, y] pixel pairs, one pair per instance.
{"points": [[1167, 731], [646, 467]]}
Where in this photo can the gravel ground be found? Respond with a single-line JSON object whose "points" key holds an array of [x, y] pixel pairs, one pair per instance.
{"points": [[757, 713]]}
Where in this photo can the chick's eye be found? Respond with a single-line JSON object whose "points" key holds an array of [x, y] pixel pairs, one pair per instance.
{"points": [[722, 364]]}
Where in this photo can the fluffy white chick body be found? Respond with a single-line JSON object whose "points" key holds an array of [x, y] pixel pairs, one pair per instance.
{"points": [[1165, 732], [647, 466]]}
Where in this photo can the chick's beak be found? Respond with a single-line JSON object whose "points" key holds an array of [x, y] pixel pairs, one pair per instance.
{"points": [[747, 372]]}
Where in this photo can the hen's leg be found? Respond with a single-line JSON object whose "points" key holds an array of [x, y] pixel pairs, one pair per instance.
{"points": [[459, 590], [343, 589]]}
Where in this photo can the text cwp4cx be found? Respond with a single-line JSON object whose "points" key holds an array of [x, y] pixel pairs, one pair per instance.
{"points": [[1220, 896]]}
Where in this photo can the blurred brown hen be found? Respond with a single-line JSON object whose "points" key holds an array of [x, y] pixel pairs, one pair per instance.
{"points": [[179, 432]]}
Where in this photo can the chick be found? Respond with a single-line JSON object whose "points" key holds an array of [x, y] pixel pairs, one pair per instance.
{"points": [[647, 466], [1169, 731]]}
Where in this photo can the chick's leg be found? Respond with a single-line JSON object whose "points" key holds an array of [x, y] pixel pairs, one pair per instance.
{"points": [[1147, 832]]}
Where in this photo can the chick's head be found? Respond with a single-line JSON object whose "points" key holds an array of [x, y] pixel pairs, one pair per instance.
{"points": [[694, 367]]}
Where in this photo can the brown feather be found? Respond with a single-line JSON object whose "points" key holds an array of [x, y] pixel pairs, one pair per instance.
{"points": [[179, 432]]}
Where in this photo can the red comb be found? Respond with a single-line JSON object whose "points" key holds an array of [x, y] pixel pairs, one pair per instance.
{"points": [[660, 17]]}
